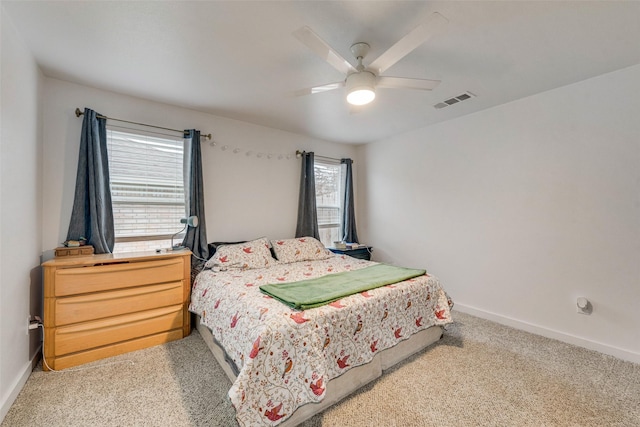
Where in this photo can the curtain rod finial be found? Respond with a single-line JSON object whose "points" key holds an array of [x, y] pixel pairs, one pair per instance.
{"points": [[78, 112]]}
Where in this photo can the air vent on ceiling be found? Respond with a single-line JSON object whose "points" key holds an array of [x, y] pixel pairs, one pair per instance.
{"points": [[454, 100]]}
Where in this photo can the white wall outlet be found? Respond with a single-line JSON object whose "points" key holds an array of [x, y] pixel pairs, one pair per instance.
{"points": [[583, 306], [32, 323]]}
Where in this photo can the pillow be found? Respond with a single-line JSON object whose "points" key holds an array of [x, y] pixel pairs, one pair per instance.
{"points": [[299, 249], [253, 254], [213, 246]]}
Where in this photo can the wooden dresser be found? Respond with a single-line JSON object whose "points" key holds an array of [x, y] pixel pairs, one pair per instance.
{"points": [[99, 306]]}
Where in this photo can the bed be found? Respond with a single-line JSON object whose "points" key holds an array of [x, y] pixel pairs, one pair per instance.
{"points": [[287, 364]]}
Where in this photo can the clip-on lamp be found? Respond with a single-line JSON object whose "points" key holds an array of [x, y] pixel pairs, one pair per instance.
{"points": [[192, 221]]}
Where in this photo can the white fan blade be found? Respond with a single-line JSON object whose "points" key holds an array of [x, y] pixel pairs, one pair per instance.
{"points": [[406, 83], [323, 50], [415, 38], [318, 89]]}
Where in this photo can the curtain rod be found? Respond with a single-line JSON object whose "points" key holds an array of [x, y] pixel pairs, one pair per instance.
{"points": [[80, 113], [300, 153]]}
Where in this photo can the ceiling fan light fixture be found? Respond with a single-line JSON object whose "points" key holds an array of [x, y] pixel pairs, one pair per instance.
{"points": [[361, 96], [361, 88]]}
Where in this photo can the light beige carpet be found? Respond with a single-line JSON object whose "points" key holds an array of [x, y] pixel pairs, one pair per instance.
{"points": [[480, 374]]}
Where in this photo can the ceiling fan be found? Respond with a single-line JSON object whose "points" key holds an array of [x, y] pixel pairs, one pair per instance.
{"points": [[361, 81]]}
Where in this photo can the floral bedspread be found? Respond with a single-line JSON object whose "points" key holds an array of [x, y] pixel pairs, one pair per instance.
{"points": [[286, 357]]}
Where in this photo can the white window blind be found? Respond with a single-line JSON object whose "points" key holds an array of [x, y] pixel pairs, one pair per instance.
{"points": [[329, 191], [147, 185]]}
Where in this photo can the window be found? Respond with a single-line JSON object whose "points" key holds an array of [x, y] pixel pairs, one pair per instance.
{"points": [[147, 189], [329, 195]]}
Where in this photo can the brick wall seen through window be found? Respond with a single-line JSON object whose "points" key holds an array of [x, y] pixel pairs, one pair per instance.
{"points": [[147, 189], [329, 193]]}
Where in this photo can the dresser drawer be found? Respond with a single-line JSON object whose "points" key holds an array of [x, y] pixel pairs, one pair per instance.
{"points": [[79, 337], [107, 304], [73, 281]]}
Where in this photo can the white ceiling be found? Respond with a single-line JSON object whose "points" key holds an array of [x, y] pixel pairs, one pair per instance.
{"points": [[238, 59]]}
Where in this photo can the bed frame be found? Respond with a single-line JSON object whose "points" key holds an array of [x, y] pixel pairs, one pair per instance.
{"points": [[339, 387]]}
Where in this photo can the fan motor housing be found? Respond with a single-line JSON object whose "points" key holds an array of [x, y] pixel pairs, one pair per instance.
{"points": [[360, 81]]}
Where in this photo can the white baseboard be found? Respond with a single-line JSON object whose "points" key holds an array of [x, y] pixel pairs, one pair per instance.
{"points": [[14, 390], [620, 353]]}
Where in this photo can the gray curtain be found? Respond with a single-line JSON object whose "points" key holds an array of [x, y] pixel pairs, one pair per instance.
{"points": [[196, 237], [349, 233], [92, 214], [307, 214]]}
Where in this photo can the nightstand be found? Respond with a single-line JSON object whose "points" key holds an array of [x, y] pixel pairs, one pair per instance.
{"points": [[363, 252]]}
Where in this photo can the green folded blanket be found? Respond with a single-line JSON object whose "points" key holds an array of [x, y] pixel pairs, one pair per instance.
{"points": [[323, 290]]}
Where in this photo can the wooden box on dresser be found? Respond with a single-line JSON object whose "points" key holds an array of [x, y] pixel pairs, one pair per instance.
{"points": [[103, 305]]}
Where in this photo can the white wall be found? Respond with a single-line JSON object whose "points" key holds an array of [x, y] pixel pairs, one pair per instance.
{"points": [[246, 196], [20, 212], [522, 208]]}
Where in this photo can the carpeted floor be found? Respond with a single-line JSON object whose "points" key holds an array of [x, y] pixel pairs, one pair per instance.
{"points": [[479, 374]]}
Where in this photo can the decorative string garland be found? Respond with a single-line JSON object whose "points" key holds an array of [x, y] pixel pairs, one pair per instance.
{"points": [[250, 153]]}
